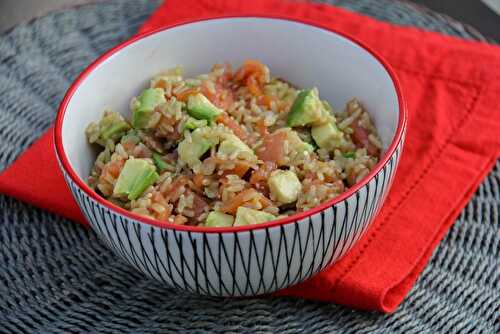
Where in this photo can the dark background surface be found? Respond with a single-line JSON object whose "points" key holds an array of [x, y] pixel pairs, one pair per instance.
{"points": [[473, 12]]}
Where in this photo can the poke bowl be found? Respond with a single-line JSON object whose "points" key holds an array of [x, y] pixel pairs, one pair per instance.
{"points": [[222, 157]]}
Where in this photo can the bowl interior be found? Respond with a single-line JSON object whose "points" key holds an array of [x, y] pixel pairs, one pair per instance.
{"points": [[302, 54]]}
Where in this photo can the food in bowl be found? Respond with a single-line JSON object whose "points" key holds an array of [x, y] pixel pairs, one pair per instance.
{"points": [[229, 149]]}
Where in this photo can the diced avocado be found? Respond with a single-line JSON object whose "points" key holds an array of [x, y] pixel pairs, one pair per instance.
{"points": [[308, 147], [193, 123], [247, 216], [297, 144], [140, 118], [190, 153], [111, 127], [160, 163], [327, 135], [115, 130], [200, 107], [349, 155], [233, 145], [191, 149], [135, 177], [146, 103], [219, 219], [285, 186], [306, 109], [150, 98]]}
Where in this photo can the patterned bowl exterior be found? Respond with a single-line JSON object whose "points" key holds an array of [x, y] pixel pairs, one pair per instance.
{"points": [[243, 263]]}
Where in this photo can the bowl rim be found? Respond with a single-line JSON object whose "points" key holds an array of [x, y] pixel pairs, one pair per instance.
{"points": [[295, 218]]}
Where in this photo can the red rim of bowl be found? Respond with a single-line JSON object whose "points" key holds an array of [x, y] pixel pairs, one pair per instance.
{"points": [[298, 216]]}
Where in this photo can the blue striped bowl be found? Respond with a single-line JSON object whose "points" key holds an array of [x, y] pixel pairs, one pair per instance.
{"points": [[248, 260]]}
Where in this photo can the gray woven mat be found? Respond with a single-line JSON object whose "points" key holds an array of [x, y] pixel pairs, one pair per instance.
{"points": [[55, 276]]}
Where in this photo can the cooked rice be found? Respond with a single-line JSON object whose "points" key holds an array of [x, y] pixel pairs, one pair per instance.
{"points": [[185, 193]]}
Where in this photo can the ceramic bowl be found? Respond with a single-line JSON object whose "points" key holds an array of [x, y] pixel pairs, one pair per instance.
{"points": [[248, 260]]}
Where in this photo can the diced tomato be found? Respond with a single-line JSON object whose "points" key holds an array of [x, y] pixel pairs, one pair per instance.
{"points": [[253, 74], [233, 125], [273, 148], [360, 138]]}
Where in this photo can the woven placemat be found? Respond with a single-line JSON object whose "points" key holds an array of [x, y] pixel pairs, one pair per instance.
{"points": [[56, 277]]}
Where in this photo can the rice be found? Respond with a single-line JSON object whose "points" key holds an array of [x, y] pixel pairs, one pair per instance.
{"points": [[186, 191]]}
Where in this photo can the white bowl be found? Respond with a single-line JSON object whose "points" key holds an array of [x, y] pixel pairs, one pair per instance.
{"points": [[255, 259]]}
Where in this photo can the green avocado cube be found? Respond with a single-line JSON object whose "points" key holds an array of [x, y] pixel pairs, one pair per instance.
{"points": [[307, 147], [199, 107], [146, 103], [285, 186], [296, 143], [190, 153], [111, 127], [219, 219], [247, 216], [306, 109], [349, 155], [161, 164], [134, 178], [327, 136]]}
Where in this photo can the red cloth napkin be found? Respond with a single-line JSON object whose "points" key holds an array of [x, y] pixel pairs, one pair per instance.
{"points": [[452, 88]]}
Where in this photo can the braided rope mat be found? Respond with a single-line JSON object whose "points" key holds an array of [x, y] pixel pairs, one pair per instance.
{"points": [[56, 277]]}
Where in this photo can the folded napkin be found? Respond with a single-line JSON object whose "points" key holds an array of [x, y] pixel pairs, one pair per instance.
{"points": [[452, 89]]}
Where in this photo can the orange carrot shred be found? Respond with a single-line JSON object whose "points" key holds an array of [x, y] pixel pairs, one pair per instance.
{"points": [[234, 203]]}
